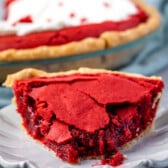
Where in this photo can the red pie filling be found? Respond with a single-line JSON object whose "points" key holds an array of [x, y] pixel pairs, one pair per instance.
{"points": [[66, 35], [82, 115]]}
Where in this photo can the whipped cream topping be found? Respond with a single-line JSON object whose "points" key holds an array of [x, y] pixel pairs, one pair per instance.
{"points": [[44, 15]]}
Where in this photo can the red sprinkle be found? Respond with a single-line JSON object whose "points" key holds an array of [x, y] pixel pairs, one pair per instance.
{"points": [[8, 2], [72, 15], [83, 20], [60, 4], [106, 4], [26, 19], [49, 20]]}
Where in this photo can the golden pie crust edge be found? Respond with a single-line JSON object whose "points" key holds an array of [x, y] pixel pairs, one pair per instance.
{"points": [[28, 73], [106, 40]]}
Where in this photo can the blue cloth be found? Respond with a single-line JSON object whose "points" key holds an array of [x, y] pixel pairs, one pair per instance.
{"points": [[154, 57], [5, 96]]}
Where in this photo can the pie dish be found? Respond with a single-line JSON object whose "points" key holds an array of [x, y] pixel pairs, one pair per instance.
{"points": [[86, 113], [30, 34]]}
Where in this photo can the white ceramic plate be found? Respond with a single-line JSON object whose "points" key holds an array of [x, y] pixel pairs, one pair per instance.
{"points": [[16, 145]]}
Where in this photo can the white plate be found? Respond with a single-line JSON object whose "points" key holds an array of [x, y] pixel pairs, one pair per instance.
{"points": [[16, 145]]}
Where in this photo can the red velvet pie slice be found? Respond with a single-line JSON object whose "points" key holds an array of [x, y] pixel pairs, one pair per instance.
{"points": [[56, 28], [86, 113]]}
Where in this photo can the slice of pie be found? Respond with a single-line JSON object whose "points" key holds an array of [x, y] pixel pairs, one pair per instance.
{"points": [[54, 28], [86, 113]]}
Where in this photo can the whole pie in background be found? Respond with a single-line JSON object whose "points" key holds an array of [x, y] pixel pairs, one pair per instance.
{"points": [[43, 29]]}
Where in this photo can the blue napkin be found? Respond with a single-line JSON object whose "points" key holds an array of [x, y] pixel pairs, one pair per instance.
{"points": [[5, 96], [154, 57]]}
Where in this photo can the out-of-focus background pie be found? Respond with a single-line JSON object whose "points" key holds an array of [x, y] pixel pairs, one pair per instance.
{"points": [[110, 58]]}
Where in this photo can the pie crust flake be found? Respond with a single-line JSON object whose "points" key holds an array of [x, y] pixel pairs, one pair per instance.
{"points": [[107, 39], [86, 113]]}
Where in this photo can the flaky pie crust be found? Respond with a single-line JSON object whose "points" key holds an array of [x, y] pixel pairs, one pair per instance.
{"points": [[108, 39], [28, 73]]}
